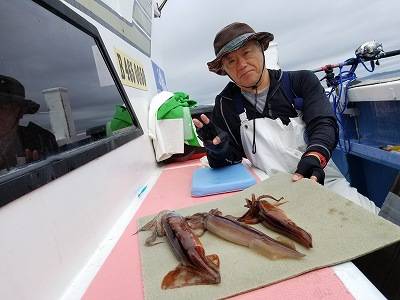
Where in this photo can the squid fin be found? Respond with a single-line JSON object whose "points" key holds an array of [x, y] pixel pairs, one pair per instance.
{"points": [[184, 276]]}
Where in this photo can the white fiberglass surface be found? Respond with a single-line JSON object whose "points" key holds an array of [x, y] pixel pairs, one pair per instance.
{"points": [[49, 235]]}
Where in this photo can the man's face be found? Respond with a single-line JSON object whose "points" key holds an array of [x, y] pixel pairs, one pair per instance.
{"points": [[244, 65], [10, 114]]}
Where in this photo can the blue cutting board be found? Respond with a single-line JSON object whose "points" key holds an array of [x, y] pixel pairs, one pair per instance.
{"points": [[207, 181]]}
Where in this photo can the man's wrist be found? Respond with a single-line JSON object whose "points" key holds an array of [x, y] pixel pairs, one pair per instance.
{"points": [[322, 160]]}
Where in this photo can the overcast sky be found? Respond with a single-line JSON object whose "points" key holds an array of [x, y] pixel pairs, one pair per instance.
{"points": [[309, 34]]}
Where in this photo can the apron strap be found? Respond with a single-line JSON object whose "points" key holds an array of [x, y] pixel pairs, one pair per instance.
{"points": [[239, 107], [296, 101]]}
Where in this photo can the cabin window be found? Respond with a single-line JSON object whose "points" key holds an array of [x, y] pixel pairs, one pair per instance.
{"points": [[61, 102]]}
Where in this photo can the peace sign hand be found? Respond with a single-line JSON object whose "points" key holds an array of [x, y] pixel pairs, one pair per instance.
{"points": [[207, 130]]}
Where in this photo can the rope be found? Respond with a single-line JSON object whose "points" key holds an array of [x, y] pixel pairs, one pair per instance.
{"points": [[254, 146], [343, 81]]}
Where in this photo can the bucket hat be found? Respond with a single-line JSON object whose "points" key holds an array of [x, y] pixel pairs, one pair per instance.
{"points": [[233, 37], [12, 91]]}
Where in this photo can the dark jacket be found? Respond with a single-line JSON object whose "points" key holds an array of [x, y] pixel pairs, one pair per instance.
{"points": [[321, 125], [32, 137]]}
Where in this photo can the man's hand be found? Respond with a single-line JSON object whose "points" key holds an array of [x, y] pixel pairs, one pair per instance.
{"points": [[310, 167], [206, 130]]}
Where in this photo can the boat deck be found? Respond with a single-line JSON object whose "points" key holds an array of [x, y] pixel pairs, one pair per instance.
{"points": [[118, 275]]}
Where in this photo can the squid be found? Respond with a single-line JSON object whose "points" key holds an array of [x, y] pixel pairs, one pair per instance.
{"points": [[274, 218], [194, 266], [228, 228]]}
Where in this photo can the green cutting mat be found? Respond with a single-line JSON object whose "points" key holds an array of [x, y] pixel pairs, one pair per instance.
{"points": [[341, 231]]}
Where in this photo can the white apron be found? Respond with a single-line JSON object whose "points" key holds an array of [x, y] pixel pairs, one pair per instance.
{"points": [[280, 147]]}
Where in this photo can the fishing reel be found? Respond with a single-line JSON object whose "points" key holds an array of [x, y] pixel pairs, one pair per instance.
{"points": [[370, 51]]}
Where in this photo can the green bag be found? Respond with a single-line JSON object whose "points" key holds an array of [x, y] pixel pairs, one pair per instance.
{"points": [[178, 107]]}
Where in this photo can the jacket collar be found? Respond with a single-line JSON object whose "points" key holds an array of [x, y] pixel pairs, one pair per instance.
{"points": [[231, 88]]}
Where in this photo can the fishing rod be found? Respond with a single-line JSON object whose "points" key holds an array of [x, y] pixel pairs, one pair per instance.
{"points": [[339, 84], [369, 51], [351, 61]]}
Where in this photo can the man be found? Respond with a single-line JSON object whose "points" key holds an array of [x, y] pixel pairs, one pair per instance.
{"points": [[255, 117], [20, 144]]}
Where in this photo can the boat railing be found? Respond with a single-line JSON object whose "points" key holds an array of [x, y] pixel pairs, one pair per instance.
{"points": [[367, 115]]}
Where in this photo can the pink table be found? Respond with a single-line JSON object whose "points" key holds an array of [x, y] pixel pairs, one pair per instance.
{"points": [[120, 275]]}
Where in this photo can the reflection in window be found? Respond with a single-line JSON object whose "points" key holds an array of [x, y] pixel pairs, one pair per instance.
{"points": [[20, 144], [56, 92]]}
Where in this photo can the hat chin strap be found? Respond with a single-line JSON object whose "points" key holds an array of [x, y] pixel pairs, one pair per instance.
{"points": [[254, 87]]}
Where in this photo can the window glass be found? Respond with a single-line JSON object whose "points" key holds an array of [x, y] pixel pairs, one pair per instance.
{"points": [[56, 92]]}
